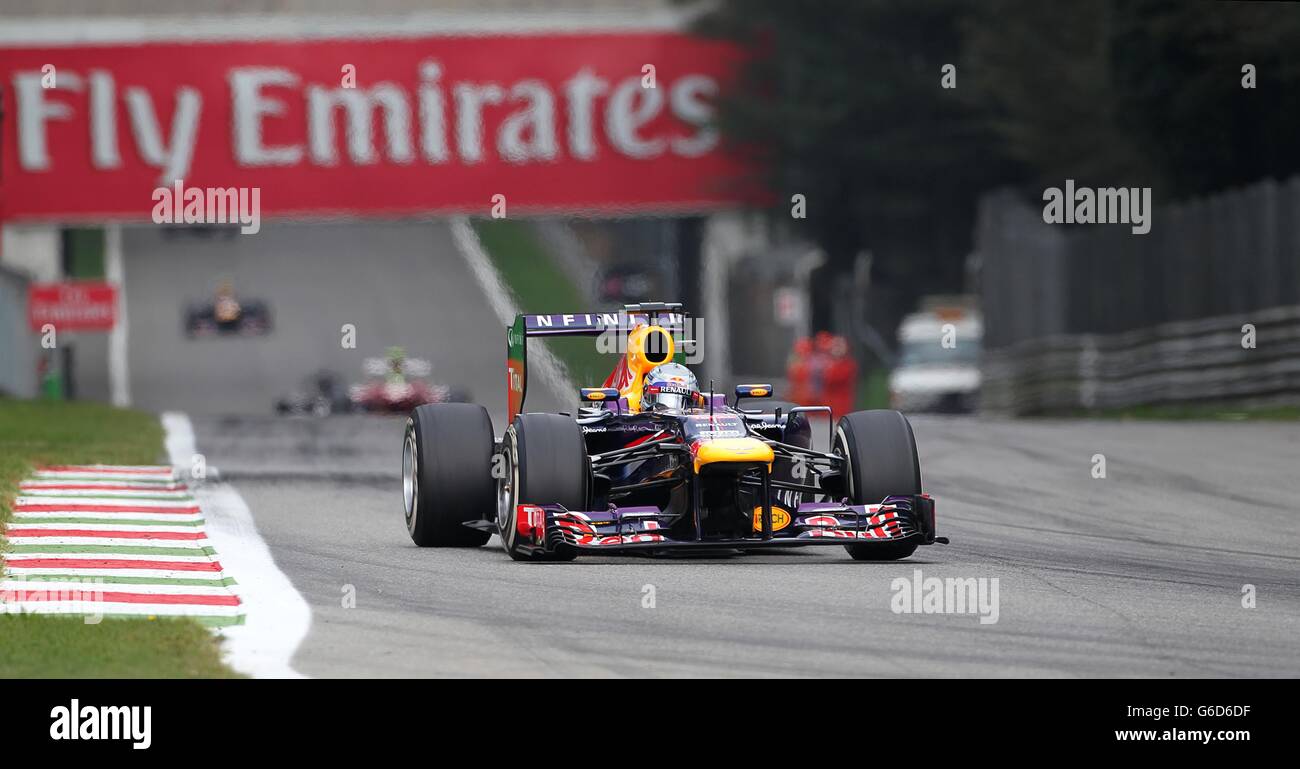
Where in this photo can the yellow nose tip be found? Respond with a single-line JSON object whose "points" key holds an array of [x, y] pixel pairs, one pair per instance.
{"points": [[749, 450]]}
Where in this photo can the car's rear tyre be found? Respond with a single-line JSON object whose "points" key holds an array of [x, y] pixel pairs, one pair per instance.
{"points": [[447, 474], [544, 462], [881, 459]]}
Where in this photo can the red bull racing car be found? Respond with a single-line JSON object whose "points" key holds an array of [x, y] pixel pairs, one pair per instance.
{"points": [[651, 463], [227, 315]]}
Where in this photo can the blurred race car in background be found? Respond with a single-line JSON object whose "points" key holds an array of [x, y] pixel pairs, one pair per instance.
{"points": [[227, 315], [398, 384], [322, 394]]}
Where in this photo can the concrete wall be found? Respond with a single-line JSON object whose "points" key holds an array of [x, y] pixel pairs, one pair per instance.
{"points": [[18, 348], [31, 250], [27, 254], [32, 254]]}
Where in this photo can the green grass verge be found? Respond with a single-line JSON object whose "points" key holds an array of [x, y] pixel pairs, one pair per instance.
{"points": [[54, 433], [540, 286], [66, 647], [34, 433]]}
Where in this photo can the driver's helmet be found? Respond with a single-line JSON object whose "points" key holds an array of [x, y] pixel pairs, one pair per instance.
{"points": [[396, 357], [226, 307], [671, 386]]}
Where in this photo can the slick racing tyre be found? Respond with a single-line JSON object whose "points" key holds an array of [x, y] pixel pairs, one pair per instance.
{"points": [[880, 454], [545, 462], [447, 474]]}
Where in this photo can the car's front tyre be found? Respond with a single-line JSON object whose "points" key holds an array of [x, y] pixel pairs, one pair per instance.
{"points": [[544, 462], [880, 460]]}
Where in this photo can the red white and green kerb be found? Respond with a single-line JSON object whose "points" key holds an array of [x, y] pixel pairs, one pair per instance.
{"points": [[129, 539]]}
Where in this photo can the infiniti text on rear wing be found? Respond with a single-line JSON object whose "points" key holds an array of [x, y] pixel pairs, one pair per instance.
{"points": [[592, 324]]}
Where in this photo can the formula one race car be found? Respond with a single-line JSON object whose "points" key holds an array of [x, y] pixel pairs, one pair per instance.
{"points": [[226, 315], [321, 394], [651, 463], [398, 384]]}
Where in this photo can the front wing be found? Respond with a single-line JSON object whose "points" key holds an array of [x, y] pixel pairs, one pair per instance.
{"points": [[896, 518]]}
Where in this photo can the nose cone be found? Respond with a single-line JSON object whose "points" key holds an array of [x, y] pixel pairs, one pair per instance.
{"points": [[749, 451]]}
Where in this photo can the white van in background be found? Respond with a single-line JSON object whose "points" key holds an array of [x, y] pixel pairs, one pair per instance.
{"points": [[938, 366]]}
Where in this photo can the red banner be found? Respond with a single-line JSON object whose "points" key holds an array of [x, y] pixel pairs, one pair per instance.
{"points": [[72, 306], [580, 122]]}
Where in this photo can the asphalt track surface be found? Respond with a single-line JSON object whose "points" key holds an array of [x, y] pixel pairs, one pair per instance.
{"points": [[1137, 574]]}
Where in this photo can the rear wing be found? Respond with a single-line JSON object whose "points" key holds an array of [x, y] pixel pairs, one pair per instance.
{"points": [[669, 315]]}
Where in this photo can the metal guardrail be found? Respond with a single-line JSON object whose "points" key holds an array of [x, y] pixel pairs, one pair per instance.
{"points": [[1185, 362], [1235, 252], [1099, 318]]}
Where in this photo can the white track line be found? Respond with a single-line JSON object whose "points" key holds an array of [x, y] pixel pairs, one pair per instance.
{"points": [[21, 572], [22, 560], [88, 585], [46, 541], [43, 496], [140, 474], [156, 470], [97, 487], [92, 606], [277, 617], [161, 518], [160, 504], [155, 526]]}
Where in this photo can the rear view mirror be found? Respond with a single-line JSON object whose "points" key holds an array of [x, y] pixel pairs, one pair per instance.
{"points": [[598, 395], [753, 391]]}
